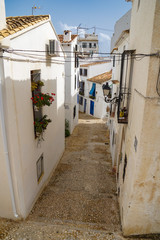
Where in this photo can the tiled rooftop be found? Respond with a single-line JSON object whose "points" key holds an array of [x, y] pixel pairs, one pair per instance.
{"points": [[61, 38], [93, 63], [101, 78], [15, 24]]}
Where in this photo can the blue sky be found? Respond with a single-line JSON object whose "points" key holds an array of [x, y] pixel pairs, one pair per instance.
{"points": [[71, 13]]}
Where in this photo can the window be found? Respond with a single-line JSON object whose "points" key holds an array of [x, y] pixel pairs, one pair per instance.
{"points": [[85, 72], [81, 90], [75, 82], [76, 61], [84, 45], [35, 78], [80, 100], [74, 112], [90, 45], [95, 45]]}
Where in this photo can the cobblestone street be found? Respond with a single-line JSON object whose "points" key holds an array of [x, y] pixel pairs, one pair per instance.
{"points": [[80, 201]]}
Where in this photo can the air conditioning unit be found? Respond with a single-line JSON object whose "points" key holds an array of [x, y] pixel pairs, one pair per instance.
{"points": [[54, 48]]}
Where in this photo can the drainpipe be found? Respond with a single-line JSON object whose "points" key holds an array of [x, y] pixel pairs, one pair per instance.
{"points": [[3, 127]]}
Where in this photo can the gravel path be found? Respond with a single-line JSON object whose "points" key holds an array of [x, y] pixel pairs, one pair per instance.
{"points": [[80, 200]]}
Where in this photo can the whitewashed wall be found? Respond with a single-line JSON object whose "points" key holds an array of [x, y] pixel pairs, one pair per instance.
{"points": [[24, 149], [70, 91]]}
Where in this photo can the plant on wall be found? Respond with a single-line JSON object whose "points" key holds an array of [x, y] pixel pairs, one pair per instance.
{"points": [[67, 132], [39, 100], [42, 99], [35, 85], [41, 125]]}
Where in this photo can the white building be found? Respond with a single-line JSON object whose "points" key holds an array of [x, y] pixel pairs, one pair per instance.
{"points": [[26, 164], [137, 152], [69, 43], [121, 25], [91, 99], [88, 45]]}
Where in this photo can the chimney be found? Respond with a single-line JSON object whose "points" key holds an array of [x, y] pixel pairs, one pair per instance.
{"points": [[2, 15], [67, 36]]}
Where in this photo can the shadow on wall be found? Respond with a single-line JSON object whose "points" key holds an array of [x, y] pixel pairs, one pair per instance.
{"points": [[23, 148]]}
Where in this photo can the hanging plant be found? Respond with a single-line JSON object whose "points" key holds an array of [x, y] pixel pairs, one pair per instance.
{"points": [[41, 125], [42, 99], [35, 85]]}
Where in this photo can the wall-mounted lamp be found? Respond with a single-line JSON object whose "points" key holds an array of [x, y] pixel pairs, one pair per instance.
{"points": [[106, 89]]}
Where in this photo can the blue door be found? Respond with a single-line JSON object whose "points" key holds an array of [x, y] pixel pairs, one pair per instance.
{"points": [[91, 107], [85, 105]]}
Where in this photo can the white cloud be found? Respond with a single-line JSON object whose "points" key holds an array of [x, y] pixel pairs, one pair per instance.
{"points": [[103, 37], [65, 26]]}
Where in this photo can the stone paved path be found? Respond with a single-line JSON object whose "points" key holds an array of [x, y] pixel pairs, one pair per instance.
{"points": [[80, 200]]}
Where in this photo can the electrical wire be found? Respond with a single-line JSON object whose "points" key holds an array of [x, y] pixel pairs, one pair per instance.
{"points": [[44, 58]]}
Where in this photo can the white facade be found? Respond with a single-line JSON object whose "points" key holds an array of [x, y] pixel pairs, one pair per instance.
{"points": [[98, 104], [19, 149], [121, 25], [88, 45], [69, 43], [137, 141], [115, 128]]}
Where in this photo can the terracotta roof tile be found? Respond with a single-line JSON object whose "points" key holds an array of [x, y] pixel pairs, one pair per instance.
{"points": [[93, 63], [15, 24], [101, 78], [115, 81], [61, 38]]}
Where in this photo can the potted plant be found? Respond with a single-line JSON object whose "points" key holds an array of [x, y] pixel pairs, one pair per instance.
{"points": [[41, 125], [35, 85], [42, 99]]}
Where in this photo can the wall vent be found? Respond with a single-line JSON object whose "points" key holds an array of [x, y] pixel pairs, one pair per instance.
{"points": [[40, 168]]}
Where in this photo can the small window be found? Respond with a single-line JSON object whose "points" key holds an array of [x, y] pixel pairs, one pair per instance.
{"points": [[80, 71], [75, 82], [74, 112], [95, 45], [80, 100], [40, 168], [85, 72], [90, 45], [84, 45]]}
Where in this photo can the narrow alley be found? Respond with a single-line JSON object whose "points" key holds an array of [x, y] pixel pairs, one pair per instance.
{"points": [[80, 200]]}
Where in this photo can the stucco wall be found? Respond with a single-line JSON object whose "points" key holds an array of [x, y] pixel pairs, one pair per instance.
{"points": [[139, 194], [70, 90], [23, 147]]}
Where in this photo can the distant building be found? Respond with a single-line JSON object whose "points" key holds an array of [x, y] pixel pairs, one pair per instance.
{"points": [[88, 45], [92, 77], [121, 25], [69, 44]]}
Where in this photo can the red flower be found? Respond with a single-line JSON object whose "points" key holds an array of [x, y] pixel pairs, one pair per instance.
{"points": [[32, 98], [42, 98]]}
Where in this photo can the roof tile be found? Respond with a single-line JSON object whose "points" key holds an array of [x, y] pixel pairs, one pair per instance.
{"points": [[101, 78], [15, 24], [94, 63]]}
